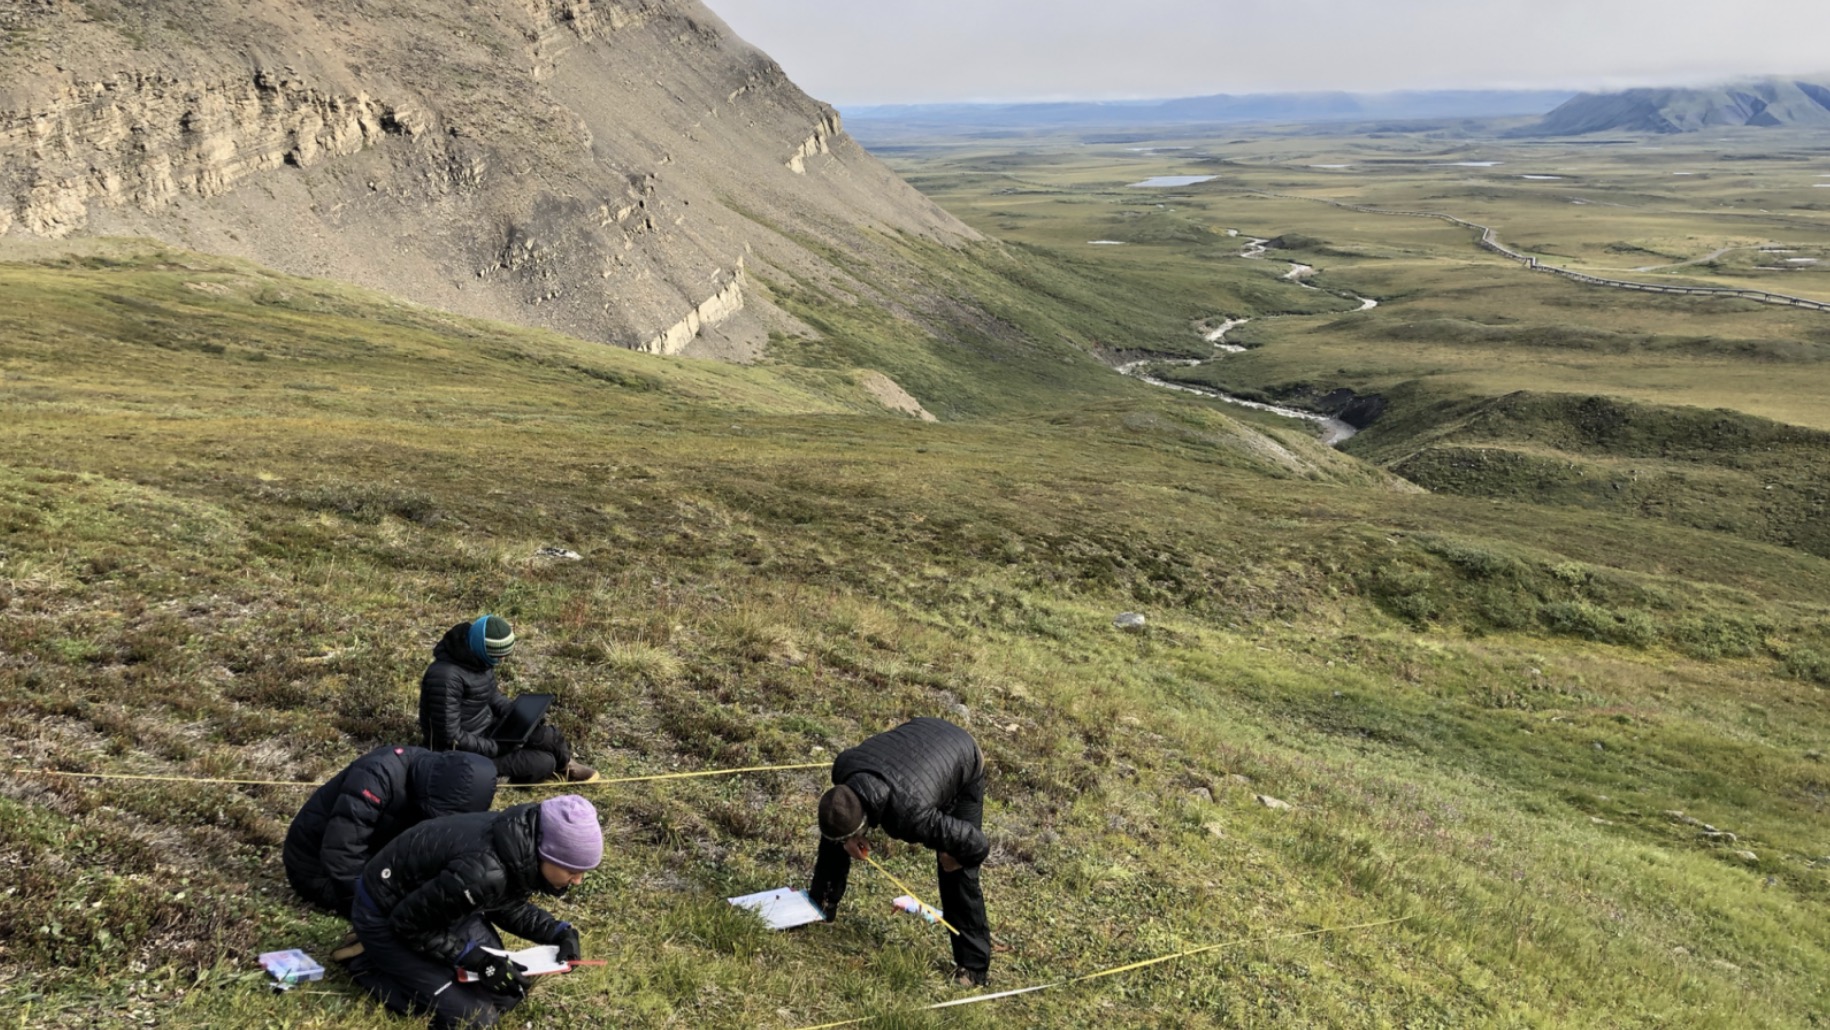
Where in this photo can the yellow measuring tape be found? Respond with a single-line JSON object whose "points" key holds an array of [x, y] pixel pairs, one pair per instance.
{"points": [[980, 999], [138, 777], [668, 776], [905, 889]]}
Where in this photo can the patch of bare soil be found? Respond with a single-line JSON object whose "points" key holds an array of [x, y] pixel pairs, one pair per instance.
{"points": [[892, 396]]}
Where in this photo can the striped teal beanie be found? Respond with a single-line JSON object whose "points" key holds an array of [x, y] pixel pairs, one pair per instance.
{"points": [[491, 639]]}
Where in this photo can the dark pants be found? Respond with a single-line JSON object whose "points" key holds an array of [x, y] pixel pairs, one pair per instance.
{"points": [[544, 754], [962, 903], [413, 984]]}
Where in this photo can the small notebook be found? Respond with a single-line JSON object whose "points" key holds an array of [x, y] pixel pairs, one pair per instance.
{"points": [[782, 909]]}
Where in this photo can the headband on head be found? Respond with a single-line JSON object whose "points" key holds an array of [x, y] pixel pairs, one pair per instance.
{"points": [[863, 821]]}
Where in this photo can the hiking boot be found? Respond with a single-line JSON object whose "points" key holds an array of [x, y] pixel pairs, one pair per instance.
{"points": [[579, 772], [347, 948], [963, 977]]}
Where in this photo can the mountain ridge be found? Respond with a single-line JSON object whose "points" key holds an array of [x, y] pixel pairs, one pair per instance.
{"points": [[1773, 103]]}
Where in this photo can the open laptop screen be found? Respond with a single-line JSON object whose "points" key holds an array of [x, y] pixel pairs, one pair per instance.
{"points": [[521, 721]]}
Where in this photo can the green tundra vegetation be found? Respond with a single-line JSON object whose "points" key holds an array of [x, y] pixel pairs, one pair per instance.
{"points": [[1563, 713]]}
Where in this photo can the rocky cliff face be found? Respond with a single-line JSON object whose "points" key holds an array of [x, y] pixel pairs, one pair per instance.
{"points": [[146, 141], [615, 169]]}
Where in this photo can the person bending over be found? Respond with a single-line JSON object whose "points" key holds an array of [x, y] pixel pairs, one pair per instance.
{"points": [[428, 907], [377, 798], [460, 701], [922, 782]]}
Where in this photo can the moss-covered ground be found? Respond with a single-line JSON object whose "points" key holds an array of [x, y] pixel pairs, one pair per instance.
{"points": [[237, 509]]}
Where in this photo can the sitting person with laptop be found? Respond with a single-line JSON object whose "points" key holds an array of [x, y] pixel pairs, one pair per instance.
{"points": [[462, 708]]}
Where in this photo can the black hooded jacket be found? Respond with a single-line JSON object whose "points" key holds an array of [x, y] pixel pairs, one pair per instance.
{"points": [[908, 777], [432, 878], [459, 699], [377, 798]]}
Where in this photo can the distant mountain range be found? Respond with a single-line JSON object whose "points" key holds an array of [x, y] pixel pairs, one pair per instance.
{"points": [[1220, 108], [1770, 104]]}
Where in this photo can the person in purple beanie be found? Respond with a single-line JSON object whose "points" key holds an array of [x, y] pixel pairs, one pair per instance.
{"points": [[429, 906]]}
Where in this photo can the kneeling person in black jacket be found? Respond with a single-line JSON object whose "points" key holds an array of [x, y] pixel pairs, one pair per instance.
{"points": [[922, 782], [429, 905], [380, 796]]}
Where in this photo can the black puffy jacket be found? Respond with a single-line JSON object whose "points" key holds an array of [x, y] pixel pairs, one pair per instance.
{"points": [[459, 699], [909, 776], [433, 877], [377, 798]]}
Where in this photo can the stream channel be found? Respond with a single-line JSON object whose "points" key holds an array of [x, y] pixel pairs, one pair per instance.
{"points": [[1334, 431]]}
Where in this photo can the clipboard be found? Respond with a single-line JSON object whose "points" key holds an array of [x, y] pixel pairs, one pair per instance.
{"points": [[782, 909], [539, 960]]}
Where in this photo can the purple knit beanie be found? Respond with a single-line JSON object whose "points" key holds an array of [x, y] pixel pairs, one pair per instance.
{"points": [[569, 834]]}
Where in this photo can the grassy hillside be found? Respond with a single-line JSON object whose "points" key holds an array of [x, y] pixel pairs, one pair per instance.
{"points": [[237, 509], [1715, 470], [976, 330]]}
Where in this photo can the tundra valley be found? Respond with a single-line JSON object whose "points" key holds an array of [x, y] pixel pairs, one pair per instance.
{"points": [[1500, 618]]}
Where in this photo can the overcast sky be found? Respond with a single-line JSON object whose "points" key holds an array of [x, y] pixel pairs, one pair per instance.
{"points": [[853, 52]]}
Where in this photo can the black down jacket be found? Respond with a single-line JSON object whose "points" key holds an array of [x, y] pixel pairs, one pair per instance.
{"points": [[909, 776], [370, 803], [435, 876], [459, 699]]}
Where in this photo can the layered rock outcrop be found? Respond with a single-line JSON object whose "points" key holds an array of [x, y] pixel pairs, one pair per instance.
{"points": [[146, 140], [594, 166], [721, 307], [818, 143]]}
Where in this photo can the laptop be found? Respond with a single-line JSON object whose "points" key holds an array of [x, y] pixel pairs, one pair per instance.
{"points": [[522, 720]]}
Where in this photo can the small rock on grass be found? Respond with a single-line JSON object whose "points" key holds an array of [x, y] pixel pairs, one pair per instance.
{"points": [[1270, 802], [558, 554], [1747, 856], [1133, 621]]}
